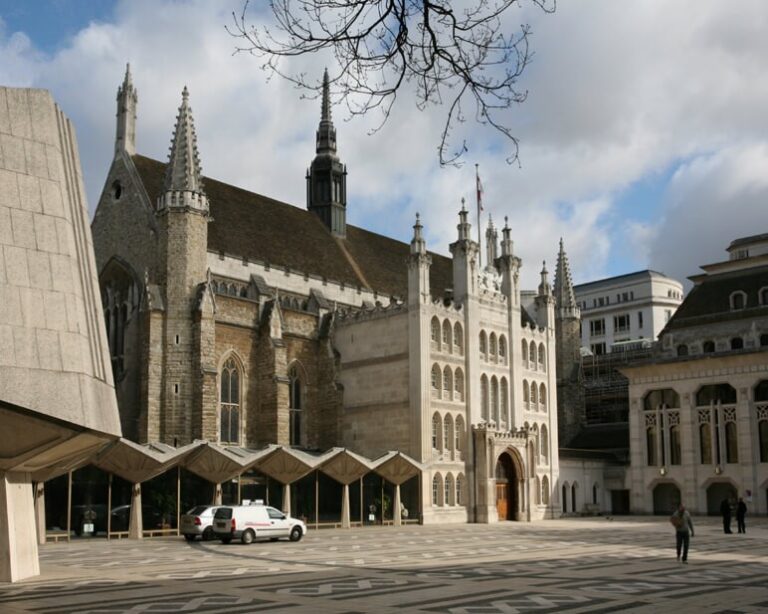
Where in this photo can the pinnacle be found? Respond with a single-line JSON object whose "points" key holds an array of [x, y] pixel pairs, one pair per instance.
{"points": [[183, 171]]}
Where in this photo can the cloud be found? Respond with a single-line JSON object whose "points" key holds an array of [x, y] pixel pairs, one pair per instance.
{"points": [[618, 92]]}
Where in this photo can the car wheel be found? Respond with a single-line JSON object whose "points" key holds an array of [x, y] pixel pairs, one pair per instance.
{"points": [[296, 534], [208, 534], [247, 537], [226, 540], [189, 537]]}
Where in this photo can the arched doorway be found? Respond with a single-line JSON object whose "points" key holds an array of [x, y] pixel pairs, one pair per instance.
{"points": [[507, 484], [716, 492], [666, 498]]}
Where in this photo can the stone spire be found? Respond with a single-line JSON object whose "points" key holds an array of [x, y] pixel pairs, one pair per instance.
{"points": [[327, 176], [127, 99], [464, 226], [564, 295], [183, 185], [506, 239], [418, 245], [419, 262], [544, 288], [491, 244]]}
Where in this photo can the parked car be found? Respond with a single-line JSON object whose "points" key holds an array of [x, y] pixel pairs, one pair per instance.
{"points": [[198, 521], [250, 522]]}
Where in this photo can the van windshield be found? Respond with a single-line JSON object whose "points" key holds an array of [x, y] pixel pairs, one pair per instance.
{"points": [[223, 513]]}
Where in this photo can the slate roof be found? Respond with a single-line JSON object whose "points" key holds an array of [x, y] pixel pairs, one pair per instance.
{"points": [[709, 300], [252, 226]]}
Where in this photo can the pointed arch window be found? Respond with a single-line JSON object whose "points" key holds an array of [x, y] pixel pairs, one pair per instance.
{"points": [[458, 339], [436, 381], [495, 400], [532, 355], [437, 488], [229, 409], [447, 383], [459, 433], [435, 333], [525, 353], [504, 402], [545, 490], [534, 395], [526, 396], [484, 398], [447, 433], [502, 349], [542, 358], [459, 489], [295, 406], [483, 346], [447, 334], [493, 348], [449, 489], [436, 427], [543, 397], [544, 447], [458, 384]]}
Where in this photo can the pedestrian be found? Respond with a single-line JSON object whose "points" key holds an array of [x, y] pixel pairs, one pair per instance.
{"points": [[683, 524], [725, 510], [741, 512]]}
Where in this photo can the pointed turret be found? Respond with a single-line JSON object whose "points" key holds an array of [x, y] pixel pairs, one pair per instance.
{"points": [[506, 239], [327, 176], [466, 254], [544, 288], [183, 186], [418, 245], [491, 244], [418, 267], [564, 296], [127, 99], [464, 226]]}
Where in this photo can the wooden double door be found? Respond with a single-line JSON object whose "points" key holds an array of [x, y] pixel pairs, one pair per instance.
{"points": [[506, 488]]}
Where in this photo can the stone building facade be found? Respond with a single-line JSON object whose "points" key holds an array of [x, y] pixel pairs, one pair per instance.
{"points": [[245, 321], [699, 408]]}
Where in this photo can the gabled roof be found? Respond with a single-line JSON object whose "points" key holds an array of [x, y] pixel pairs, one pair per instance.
{"points": [[252, 226]]}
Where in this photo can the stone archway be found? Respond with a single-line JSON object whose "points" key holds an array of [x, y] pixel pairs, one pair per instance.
{"points": [[507, 488], [666, 498], [716, 493]]}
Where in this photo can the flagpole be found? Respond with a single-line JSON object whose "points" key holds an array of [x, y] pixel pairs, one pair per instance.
{"points": [[479, 209]]}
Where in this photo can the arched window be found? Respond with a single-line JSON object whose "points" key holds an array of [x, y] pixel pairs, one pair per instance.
{"points": [[483, 346], [537, 491], [296, 406], [495, 400], [449, 490], [484, 397], [531, 460], [534, 395], [447, 336], [715, 393], [119, 298], [542, 357], [564, 493], [738, 300], [708, 347], [458, 385], [731, 443], [650, 444], [705, 443], [737, 343], [682, 350], [525, 353], [543, 397], [436, 427], [661, 397], [437, 490], [594, 494], [532, 354], [458, 339], [544, 447], [447, 383], [502, 349], [447, 433], [574, 491], [435, 333], [493, 350], [460, 489], [457, 445], [675, 453], [504, 402], [526, 396], [436, 381], [230, 403], [545, 490]]}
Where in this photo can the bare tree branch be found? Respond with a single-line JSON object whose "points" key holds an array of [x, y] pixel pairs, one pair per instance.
{"points": [[452, 57]]}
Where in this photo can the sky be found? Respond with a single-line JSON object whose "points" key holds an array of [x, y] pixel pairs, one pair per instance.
{"points": [[643, 140]]}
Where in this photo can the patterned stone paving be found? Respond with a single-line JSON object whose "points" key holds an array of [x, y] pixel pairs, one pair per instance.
{"points": [[568, 565]]}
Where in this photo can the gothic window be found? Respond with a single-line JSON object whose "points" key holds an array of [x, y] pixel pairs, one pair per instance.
{"points": [[495, 400], [436, 381], [534, 395], [674, 445], [594, 494], [537, 491], [483, 346], [731, 442], [502, 349], [447, 433], [447, 383], [708, 347], [544, 444], [119, 298], [762, 428], [663, 397], [505, 402], [437, 487], [525, 353], [459, 428], [484, 398], [295, 407], [436, 426], [574, 491], [545, 490], [543, 396], [435, 334], [650, 444], [761, 407], [458, 339], [564, 494], [542, 358], [459, 489], [737, 343], [458, 383], [738, 300], [447, 340], [448, 490], [230, 403], [532, 354], [492, 347], [682, 350], [526, 396], [705, 443], [715, 393]]}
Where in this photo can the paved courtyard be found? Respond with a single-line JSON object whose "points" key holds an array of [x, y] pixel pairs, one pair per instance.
{"points": [[573, 565]]}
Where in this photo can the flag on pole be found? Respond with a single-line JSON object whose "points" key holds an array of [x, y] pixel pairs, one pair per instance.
{"points": [[479, 188]]}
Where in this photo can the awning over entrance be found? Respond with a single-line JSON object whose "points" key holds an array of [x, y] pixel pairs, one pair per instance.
{"points": [[397, 467]]}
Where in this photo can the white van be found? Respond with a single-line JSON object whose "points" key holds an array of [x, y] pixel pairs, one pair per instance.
{"points": [[250, 522]]}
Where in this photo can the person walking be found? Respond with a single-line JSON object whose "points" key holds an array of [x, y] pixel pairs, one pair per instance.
{"points": [[683, 524], [725, 511], [741, 513]]}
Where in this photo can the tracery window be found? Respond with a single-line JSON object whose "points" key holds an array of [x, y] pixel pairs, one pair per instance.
{"points": [[229, 407], [761, 409], [295, 407], [458, 339], [437, 487], [436, 424], [718, 437], [662, 421], [447, 340]]}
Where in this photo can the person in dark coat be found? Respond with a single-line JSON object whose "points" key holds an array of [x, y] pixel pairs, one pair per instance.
{"points": [[683, 524], [741, 513], [725, 511]]}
